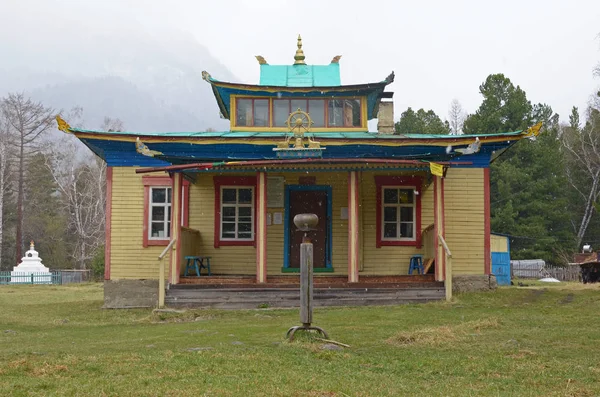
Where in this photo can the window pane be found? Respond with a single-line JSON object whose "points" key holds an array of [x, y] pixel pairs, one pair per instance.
{"points": [[406, 214], [245, 211], [159, 195], [245, 227], [406, 230], [229, 196], [390, 230], [244, 112], [228, 214], [158, 229], [390, 214], [228, 230], [390, 196], [169, 214], [299, 104], [281, 112], [245, 196], [406, 196], [316, 110], [261, 112], [352, 113], [335, 113], [245, 235], [158, 213], [168, 195]]}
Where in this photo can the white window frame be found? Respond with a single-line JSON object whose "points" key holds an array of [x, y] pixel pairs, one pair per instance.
{"points": [[168, 206], [237, 206], [398, 206]]}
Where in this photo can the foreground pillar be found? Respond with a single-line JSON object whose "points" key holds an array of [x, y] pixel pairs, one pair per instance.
{"points": [[353, 226], [261, 226]]}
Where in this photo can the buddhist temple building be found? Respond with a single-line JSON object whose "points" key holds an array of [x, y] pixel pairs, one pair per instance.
{"points": [[391, 207]]}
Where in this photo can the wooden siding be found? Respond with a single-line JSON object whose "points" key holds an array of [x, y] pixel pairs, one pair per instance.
{"points": [[464, 214], [128, 257], [388, 260], [498, 243]]}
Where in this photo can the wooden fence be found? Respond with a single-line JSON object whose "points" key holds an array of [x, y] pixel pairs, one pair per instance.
{"points": [[522, 269]]}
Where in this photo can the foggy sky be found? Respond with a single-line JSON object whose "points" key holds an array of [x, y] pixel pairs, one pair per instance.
{"points": [[439, 50]]}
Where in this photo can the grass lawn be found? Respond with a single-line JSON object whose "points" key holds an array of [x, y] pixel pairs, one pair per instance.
{"points": [[515, 341]]}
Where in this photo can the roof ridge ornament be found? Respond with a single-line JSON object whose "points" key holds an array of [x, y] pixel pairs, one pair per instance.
{"points": [[141, 148], [336, 59], [261, 60], [63, 125], [299, 57]]}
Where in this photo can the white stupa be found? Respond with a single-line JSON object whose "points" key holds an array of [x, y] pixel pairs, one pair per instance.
{"points": [[31, 270]]}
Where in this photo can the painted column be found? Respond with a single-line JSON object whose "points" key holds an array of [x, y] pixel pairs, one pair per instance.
{"points": [[353, 226], [176, 227], [487, 259], [261, 227], [439, 227], [108, 222]]}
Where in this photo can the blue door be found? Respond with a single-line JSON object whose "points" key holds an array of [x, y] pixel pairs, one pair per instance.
{"points": [[501, 267]]}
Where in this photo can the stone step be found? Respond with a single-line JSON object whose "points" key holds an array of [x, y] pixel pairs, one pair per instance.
{"points": [[245, 298]]}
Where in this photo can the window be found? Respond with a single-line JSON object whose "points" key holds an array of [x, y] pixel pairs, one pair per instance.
{"points": [[252, 113], [398, 213], [235, 206], [398, 210], [325, 113], [158, 207], [237, 213], [160, 213]]}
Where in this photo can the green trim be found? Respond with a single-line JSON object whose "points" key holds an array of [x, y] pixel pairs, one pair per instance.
{"points": [[315, 270]]}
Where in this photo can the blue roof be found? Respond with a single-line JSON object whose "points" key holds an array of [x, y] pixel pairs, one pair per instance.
{"points": [[300, 75]]}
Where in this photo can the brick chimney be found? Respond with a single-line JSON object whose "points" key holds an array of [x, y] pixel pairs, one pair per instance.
{"points": [[385, 116]]}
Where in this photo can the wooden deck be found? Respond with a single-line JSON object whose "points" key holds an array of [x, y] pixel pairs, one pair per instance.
{"points": [[242, 292]]}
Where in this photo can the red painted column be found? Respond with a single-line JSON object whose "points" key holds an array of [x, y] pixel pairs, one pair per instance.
{"points": [[261, 227]]}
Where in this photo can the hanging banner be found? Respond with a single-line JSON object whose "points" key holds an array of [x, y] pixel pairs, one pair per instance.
{"points": [[436, 169]]}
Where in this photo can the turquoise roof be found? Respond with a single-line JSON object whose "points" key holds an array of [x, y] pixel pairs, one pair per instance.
{"points": [[300, 75]]}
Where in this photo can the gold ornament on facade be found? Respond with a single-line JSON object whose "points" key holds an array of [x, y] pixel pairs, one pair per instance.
{"points": [[63, 125], [141, 148], [298, 123], [336, 59], [261, 60]]}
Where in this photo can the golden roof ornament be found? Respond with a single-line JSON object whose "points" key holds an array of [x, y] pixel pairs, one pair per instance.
{"points": [[261, 60], [336, 59], [63, 125], [141, 148], [299, 57]]}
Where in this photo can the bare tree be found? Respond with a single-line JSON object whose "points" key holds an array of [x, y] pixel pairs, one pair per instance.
{"points": [[4, 169], [582, 149], [456, 117], [27, 121], [83, 187]]}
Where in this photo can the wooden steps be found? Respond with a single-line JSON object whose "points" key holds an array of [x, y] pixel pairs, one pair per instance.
{"points": [[251, 297]]}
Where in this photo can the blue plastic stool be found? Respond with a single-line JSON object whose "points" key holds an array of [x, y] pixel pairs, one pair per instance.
{"points": [[416, 263], [197, 263]]}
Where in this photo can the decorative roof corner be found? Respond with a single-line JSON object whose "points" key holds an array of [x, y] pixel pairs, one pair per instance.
{"points": [[63, 125], [336, 59], [390, 78], [261, 60], [206, 76]]}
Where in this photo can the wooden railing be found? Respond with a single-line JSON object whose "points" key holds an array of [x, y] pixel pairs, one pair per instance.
{"points": [[161, 273], [448, 262], [190, 243]]}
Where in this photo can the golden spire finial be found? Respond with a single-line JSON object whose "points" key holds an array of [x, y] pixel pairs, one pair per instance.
{"points": [[299, 57]]}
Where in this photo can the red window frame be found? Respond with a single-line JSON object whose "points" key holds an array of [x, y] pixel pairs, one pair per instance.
{"points": [[398, 181], [237, 181], [163, 181]]}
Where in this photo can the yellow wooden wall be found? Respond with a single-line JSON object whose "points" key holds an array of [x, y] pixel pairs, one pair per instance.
{"points": [[388, 260], [463, 210], [128, 257], [498, 243], [464, 213]]}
